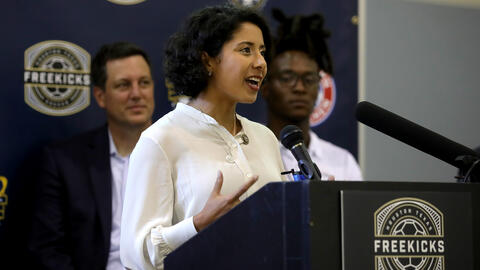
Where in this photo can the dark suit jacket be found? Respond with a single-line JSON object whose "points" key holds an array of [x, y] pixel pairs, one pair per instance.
{"points": [[72, 217]]}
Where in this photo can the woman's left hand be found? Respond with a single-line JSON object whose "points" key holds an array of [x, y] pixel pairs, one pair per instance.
{"points": [[217, 204]]}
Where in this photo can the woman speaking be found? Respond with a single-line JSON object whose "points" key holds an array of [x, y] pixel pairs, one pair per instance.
{"points": [[200, 160]]}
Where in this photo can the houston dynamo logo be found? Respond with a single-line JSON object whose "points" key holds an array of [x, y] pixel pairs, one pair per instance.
{"points": [[325, 100], [409, 236], [57, 78]]}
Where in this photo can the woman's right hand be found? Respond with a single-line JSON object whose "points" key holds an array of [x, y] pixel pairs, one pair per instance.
{"points": [[217, 204]]}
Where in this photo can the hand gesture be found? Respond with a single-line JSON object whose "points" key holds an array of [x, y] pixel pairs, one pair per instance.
{"points": [[217, 204]]}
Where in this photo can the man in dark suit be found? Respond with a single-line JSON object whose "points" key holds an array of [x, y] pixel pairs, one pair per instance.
{"points": [[76, 223]]}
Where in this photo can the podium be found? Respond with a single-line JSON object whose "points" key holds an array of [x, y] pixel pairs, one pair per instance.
{"points": [[342, 225]]}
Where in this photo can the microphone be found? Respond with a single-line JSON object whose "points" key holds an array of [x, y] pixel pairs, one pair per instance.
{"points": [[292, 138], [416, 136]]}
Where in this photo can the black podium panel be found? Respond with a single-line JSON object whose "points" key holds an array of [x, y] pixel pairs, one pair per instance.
{"points": [[321, 225], [408, 230], [268, 230]]}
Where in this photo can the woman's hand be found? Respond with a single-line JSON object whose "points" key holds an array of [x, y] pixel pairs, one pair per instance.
{"points": [[217, 204]]}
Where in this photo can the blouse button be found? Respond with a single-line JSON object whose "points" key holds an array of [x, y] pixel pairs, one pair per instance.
{"points": [[229, 158], [249, 175]]}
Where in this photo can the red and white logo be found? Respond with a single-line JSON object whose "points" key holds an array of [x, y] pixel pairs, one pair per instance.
{"points": [[325, 100]]}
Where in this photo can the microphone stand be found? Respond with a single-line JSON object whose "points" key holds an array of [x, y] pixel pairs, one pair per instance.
{"points": [[469, 171]]}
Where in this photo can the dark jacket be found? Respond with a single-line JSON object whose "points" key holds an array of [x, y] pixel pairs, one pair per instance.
{"points": [[73, 204]]}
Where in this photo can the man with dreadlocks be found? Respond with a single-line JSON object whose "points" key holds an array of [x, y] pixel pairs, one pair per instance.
{"points": [[301, 55]]}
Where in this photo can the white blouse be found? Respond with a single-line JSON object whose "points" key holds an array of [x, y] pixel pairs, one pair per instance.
{"points": [[172, 171]]}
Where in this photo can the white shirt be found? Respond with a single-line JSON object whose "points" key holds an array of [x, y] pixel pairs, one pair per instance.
{"points": [[172, 172], [330, 159], [119, 167]]}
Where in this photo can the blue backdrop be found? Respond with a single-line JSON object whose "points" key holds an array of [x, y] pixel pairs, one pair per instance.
{"points": [[90, 23]]}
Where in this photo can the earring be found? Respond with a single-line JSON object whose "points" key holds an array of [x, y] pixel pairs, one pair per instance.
{"points": [[209, 73]]}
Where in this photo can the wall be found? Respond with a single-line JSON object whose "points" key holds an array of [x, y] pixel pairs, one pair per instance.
{"points": [[418, 59]]}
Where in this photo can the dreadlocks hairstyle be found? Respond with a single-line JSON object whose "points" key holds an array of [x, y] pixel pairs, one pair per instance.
{"points": [[303, 33]]}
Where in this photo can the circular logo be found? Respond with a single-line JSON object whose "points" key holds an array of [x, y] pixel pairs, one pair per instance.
{"points": [[409, 235], [57, 78], [256, 4], [325, 100], [126, 2]]}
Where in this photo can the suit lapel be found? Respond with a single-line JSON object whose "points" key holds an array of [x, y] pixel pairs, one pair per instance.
{"points": [[101, 179]]}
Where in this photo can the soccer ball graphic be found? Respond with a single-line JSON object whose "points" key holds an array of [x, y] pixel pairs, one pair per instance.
{"points": [[410, 263], [57, 63], [409, 227]]}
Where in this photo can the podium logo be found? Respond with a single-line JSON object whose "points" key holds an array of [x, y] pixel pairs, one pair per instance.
{"points": [[3, 197], [325, 100], [409, 236], [57, 78]]}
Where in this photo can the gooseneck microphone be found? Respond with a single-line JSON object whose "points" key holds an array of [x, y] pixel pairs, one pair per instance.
{"points": [[417, 136], [292, 138]]}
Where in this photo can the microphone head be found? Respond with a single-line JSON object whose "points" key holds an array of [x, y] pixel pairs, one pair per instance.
{"points": [[290, 136]]}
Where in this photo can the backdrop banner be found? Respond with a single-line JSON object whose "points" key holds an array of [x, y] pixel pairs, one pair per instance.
{"points": [[47, 48]]}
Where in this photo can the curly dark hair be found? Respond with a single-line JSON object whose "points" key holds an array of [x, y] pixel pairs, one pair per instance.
{"points": [[206, 30], [303, 33], [113, 51]]}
